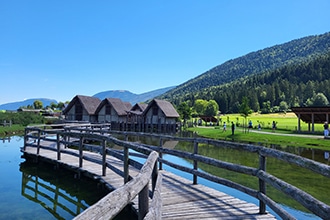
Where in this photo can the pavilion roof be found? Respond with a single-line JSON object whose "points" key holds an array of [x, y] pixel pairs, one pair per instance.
{"points": [[318, 112]]}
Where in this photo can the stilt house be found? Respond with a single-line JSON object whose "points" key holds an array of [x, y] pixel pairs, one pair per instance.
{"points": [[113, 110], [160, 115], [82, 108], [135, 117]]}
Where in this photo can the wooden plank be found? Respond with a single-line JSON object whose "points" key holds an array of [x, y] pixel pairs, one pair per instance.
{"points": [[180, 198]]}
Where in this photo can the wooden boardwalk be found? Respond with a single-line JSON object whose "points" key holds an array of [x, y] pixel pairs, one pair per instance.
{"points": [[180, 198]]}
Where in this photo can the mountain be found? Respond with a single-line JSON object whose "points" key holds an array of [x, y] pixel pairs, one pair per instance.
{"points": [[124, 95], [293, 85], [13, 106], [269, 59], [128, 96]]}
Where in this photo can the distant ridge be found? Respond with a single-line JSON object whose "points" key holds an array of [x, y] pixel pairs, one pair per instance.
{"points": [[124, 95], [130, 97], [13, 106]]}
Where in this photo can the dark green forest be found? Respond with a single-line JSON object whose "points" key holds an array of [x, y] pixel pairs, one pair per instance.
{"points": [[296, 73]]}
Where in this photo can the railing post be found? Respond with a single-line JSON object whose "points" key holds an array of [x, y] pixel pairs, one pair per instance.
{"points": [[262, 184], [58, 147], [126, 162], [104, 157], [38, 142], [154, 176], [195, 162], [160, 154], [25, 138], [101, 129], [65, 138], [143, 202], [81, 141], [68, 138]]}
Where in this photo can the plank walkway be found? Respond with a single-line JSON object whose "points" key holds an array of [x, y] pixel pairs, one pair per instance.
{"points": [[181, 199]]}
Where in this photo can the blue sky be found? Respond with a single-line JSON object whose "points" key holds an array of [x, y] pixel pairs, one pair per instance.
{"points": [[58, 49]]}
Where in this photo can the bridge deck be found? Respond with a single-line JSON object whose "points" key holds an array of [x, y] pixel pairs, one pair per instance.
{"points": [[181, 199]]}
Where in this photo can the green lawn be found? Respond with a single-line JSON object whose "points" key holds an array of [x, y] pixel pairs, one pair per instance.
{"points": [[286, 124], [287, 121]]}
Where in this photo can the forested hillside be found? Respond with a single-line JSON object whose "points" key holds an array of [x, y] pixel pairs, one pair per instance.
{"points": [[301, 84], [293, 73]]}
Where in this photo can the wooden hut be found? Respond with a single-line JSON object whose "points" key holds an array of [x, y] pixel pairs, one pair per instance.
{"points": [[114, 111], [161, 116], [135, 116], [82, 108]]}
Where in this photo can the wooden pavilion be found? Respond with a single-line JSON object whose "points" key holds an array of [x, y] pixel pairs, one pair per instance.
{"points": [[312, 115]]}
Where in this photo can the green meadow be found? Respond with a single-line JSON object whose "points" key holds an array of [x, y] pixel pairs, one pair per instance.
{"points": [[284, 122], [285, 135]]}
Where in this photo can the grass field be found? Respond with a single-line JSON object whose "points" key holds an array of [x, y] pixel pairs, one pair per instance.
{"points": [[284, 136], [288, 121]]}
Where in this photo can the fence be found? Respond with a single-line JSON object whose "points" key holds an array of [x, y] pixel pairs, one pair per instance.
{"points": [[101, 133]]}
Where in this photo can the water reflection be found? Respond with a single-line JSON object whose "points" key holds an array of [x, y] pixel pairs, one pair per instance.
{"points": [[4, 139], [58, 192], [318, 155]]}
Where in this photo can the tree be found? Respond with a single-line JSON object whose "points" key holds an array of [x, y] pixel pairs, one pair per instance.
{"points": [[283, 106], [245, 109], [200, 106], [53, 105], [212, 108], [184, 111], [37, 104], [266, 107], [320, 100], [254, 102], [60, 105]]}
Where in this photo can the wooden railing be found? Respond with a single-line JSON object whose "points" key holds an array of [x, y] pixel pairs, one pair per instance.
{"points": [[99, 132], [114, 202]]}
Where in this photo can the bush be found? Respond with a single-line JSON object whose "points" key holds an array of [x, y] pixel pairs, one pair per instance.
{"points": [[21, 118]]}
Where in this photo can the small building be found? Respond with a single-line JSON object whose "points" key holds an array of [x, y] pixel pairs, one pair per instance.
{"points": [[136, 112], [82, 108], [139, 108], [311, 115], [135, 116], [114, 111], [209, 119], [160, 115]]}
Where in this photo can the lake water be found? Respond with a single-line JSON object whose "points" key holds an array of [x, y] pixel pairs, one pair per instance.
{"points": [[314, 184], [31, 192]]}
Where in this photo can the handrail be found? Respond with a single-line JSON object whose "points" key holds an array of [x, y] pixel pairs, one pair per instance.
{"points": [[110, 205], [149, 168], [317, 207], [155, 210]]}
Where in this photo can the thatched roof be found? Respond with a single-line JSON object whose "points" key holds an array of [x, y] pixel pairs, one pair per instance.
{"points": [[165, 106], [118, 105], [89, 103], [128, 105], [138, 108]]}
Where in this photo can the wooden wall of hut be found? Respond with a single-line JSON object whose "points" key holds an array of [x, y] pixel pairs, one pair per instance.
{"points": [[141, 127]]}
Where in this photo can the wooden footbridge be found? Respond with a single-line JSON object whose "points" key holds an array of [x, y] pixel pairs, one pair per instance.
{"points": [[94, 151]]}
